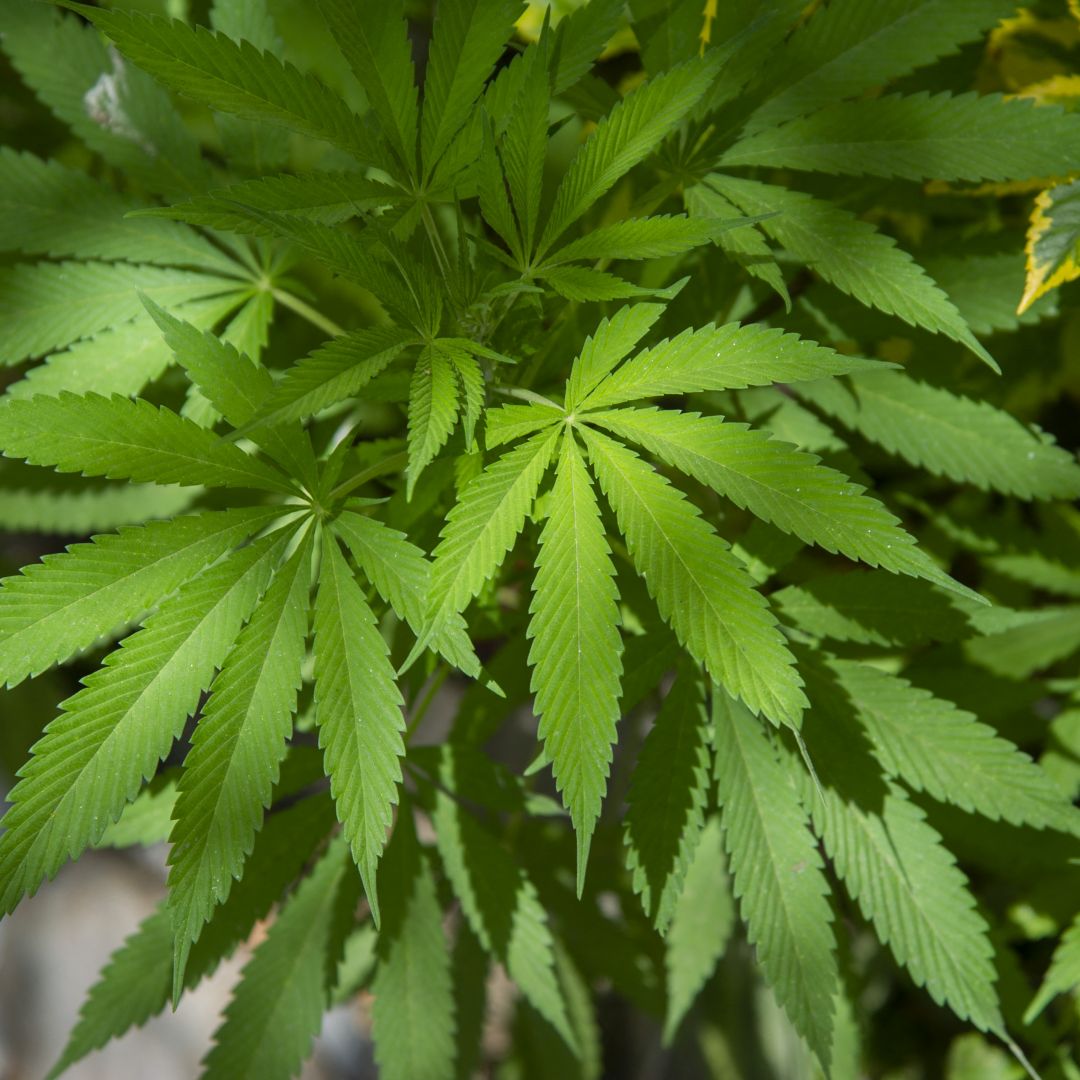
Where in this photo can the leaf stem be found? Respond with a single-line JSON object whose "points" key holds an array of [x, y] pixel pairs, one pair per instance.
{"points": [[306, 311], [436, 682]]}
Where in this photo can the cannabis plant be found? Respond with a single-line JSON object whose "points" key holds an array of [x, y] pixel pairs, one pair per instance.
{"points": [[569, 499]]}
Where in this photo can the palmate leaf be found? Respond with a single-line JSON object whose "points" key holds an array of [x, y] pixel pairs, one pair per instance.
{"points": [[721, 358], [502, 907], [414, 1010], [853, 256], [123, 439], [326, 197], [481, 528], [55, 608], [46, 305], [112, 733], [278, 1005], [214, 70], [958, 437], [849, 47], [922, 137], [235, 754], [666, 802], [631, 131], [375, 41], [701, 926], [467, 39], [118, 112], [136, 983], [358, 710], [576, 648], [700, 588], [935, 747], [777, 874], [47, 209], [433, 409]]}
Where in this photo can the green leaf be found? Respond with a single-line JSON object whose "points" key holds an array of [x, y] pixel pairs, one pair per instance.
{"points": [[644, 238], [482, 527], [778, 483], [852, 255], [726, 357], [935, 747], [118, 112], [922, 137], [62, 605], [433, 409], [328, 198], [468, 37], [110, 736], [235, 754], [958, 437], [91, 509], [47, 209], [1052, 241], [524, 148], [502, 907], [135, 983], [1027, 641], [576, 648], [335, 371], [777, 874], [235, 78], [277, 1007], [414, 1011], [666, 801], [145, 821], [849, 47], [625, 137], [473, 390], [871, 608], [585, 285], [1064, 973], [701, 926], [358, 710], [375, 41], [123, 439], [48, 305], [700, 588]]}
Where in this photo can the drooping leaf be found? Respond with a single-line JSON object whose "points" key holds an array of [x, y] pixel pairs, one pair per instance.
{"points": [[358, 710], [699, 586], [576, 648]]}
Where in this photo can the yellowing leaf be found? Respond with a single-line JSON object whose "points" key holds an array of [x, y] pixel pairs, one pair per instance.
{"points": [[1052, 242]]}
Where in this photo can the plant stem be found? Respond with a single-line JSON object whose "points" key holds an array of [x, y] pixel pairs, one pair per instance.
{"points": [[306, 311], [380, 468], [437, 680], [436, 240]]}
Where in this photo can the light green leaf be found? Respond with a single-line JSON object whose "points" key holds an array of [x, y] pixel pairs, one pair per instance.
{"points": [[922, 137], [935, 747], [235, 754], [777, 874], [628, 134], [502, 907], [700, 588], [576, 648], [414, 1008], [468, 37], [111, 735], [123, 439], [668, 792], [1064, 973], [727, 357], [585, 285], [48, 305], [55, 608], [778, 483], [852, 255], [358, 710], [609, 343], [433, 409], [958, 437], [277, 1007]]}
